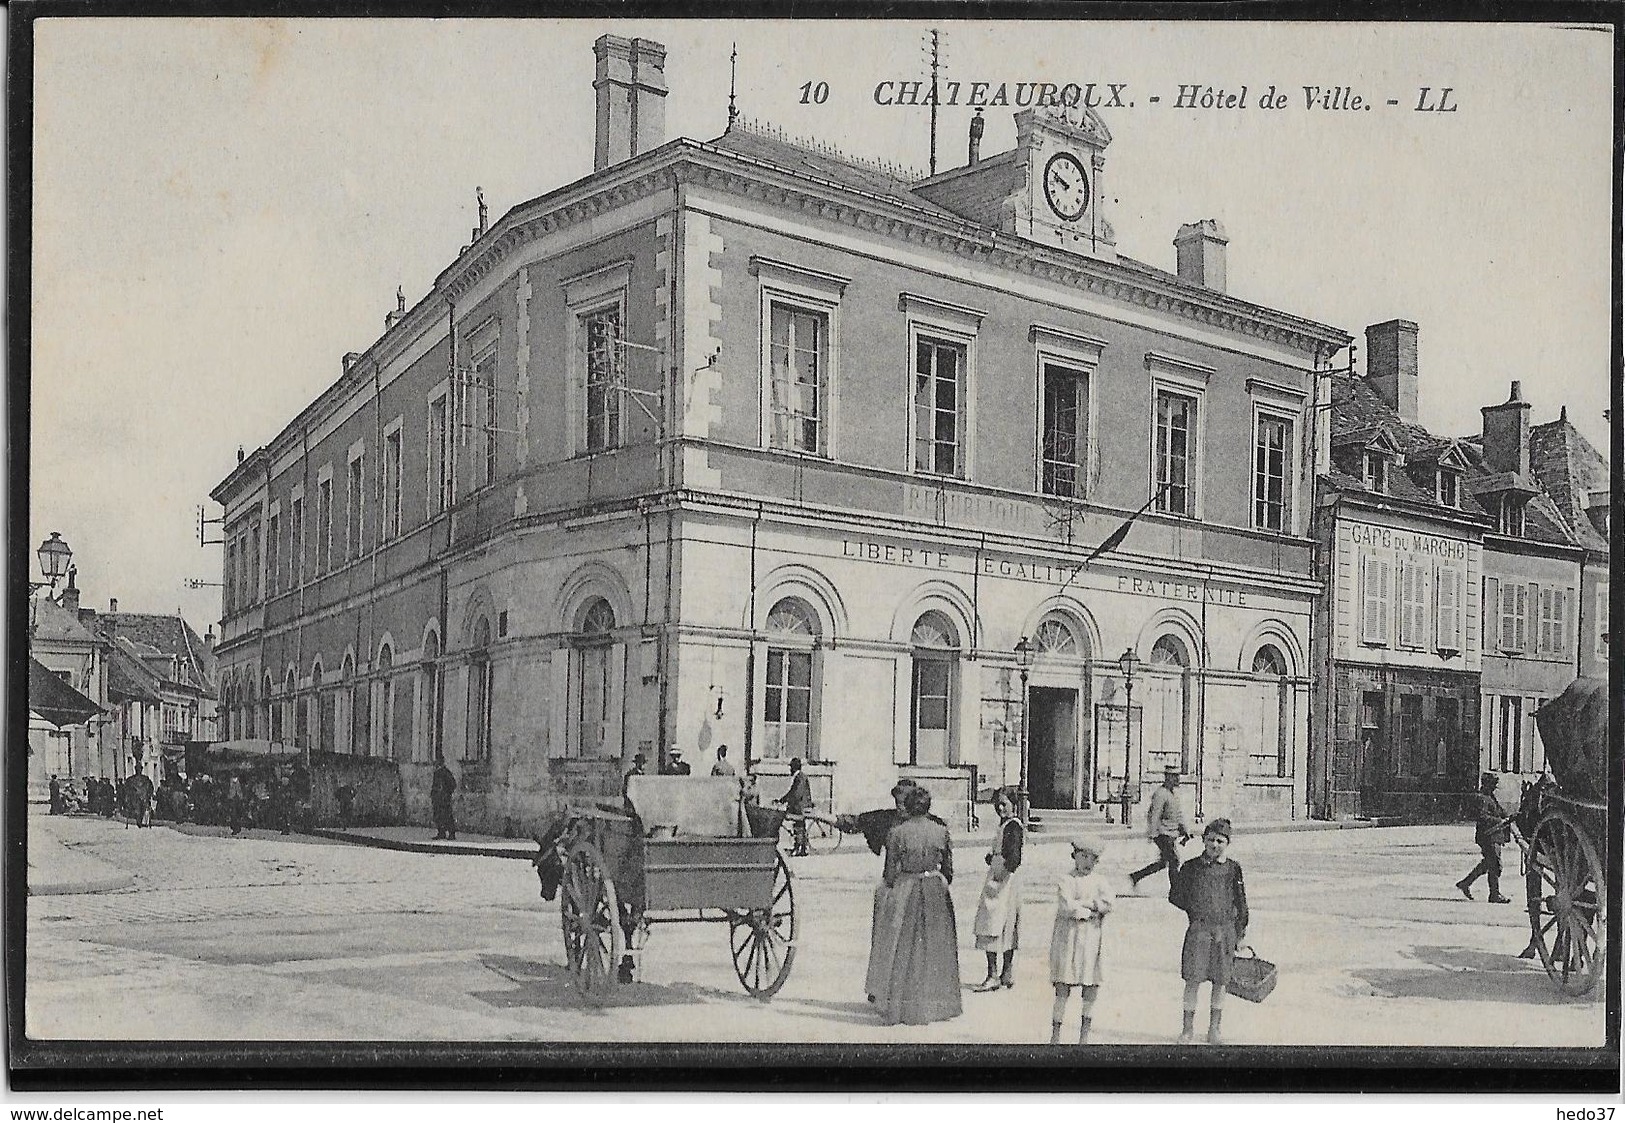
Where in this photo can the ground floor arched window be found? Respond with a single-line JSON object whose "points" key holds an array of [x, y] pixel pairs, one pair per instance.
{"points": [[427, 746], [479, 693], [594, 647], [790, 698], [934, 668], [1166, 693], [1270, 752]]}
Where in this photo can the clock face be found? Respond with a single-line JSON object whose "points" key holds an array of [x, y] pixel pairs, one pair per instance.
{"points": [[1066, 186]]}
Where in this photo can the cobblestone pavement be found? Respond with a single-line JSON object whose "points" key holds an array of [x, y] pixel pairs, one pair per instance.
{"points": [[272, 937]]}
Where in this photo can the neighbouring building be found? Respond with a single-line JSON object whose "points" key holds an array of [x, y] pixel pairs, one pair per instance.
{"points": [[1396, 648], [181, 666], [1529, 601], [1576, 479], [74, 653], [749, 442]]}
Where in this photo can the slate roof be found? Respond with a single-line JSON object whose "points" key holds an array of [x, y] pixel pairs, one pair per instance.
{"points": [[1568, 467], [1542, 521], [129, 678], [51, 621], [170, 636], [1358, 414]]}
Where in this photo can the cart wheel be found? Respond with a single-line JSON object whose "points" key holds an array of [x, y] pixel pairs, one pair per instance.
{"points": [[823, 838], [1567, 914], [590, 916], [763, 941]]}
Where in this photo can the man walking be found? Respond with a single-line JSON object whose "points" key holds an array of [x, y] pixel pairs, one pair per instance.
{"points": [[440, 789], [797, 801], [1492, 832], [1164, 822]]}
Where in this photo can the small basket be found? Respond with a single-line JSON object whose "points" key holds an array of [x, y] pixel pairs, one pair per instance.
{"points": [[764, 822], [1251, 978]]}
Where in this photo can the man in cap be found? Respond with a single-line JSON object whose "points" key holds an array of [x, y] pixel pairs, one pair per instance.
{"points": [[639, 767], [1491, 833], [676, 765], [797, 801], [1165, 821]]}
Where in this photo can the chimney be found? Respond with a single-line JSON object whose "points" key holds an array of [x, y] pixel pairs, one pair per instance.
{"points": [[977, 124], [69, 600], [1506, 433], [208, 639], [112, 604], [1199, 249], [1390, 365], [351, 358], [630, 80]]}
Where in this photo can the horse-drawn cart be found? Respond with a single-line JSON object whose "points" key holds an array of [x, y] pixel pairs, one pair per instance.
{"points": [[681, 852], [1564, 823]]}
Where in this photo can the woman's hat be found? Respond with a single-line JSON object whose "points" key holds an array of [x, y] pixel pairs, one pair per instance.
{"points": [[1218, 827], [1082, 845], [902, 786]]}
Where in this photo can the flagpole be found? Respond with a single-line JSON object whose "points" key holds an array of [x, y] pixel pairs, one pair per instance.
{"points": [[1114, 539]]}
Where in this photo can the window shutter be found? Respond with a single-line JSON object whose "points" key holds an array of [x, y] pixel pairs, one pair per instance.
{"points": [[902, 739], [1385, 591], [1523, 615], [1491, 605], [558, 704], [1448, 621], [1562, 628], [613, 721]]}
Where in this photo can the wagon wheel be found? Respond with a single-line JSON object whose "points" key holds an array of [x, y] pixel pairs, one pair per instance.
{"points": [[590, 915], [1566, 913], [763, 941]]}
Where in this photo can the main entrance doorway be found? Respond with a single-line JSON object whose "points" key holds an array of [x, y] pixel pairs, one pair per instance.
{"points": [[1054, 760]]}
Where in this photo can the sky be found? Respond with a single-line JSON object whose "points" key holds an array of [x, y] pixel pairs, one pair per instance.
{"points": [[223, 208]]}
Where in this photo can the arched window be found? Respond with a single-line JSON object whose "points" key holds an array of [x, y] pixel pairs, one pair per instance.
{"points": [[272, 722], [427, 746], [792, 639], [935, 659], [251, 709], [289, 722], [322, 735], [383, 726], [1269, 755], [1166, 694], [479, 693], [349, 694], [1056, 635], [594, 640]]}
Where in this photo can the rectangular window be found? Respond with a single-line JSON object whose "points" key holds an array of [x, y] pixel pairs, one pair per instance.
{"points": [[798, 379], [273, 552], [1413, 605], [1447, 585], [939, 405], [253, 543], [324, 525], [296, 541], [1376, 582], [1511, 522], [352, 508], [392, 483], [1176, 453], [481, 413], [601, 337], [1411, 749], [1272, 455], [1064, 449], [1376, 472], [436, 447], [229, 590], [788, 706], [1449, 489], [1509, 734]]}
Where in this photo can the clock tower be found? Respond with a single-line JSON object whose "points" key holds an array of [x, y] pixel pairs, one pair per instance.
{"points": [[1063, 200]]}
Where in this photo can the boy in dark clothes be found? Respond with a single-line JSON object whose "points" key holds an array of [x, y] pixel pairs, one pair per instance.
{"points": [[1492, 832], [1210, 890]]}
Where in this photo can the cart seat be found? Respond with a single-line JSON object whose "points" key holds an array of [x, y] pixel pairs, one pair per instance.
{"points": [[696, 806]]}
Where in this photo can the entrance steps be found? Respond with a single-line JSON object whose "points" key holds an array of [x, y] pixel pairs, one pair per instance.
{"points": [[1065, 821]]}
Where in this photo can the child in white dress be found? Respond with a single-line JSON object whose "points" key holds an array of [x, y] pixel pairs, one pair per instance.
{"points": [[1083, 899]]}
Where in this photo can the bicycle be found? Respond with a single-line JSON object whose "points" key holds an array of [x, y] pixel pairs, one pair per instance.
{"points": [[820, 835]]}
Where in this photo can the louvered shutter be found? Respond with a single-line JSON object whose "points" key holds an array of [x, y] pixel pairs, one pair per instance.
{"points": [[1369, 608], [1491, 606], [1522, 614], [1385, 592], [1448, 622], [558, 704]]}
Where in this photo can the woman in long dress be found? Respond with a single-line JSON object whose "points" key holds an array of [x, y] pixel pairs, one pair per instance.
{"points": [[914, 949], [1083, 899], [998, 913]]}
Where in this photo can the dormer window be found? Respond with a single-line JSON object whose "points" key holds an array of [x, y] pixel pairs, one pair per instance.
{"points": [[1511, 516], [1376, 471], [1449, 492]]}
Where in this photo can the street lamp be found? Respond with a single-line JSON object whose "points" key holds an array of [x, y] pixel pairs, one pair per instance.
{"points": [[54, 556], [1024, 662], [1128, 663]]}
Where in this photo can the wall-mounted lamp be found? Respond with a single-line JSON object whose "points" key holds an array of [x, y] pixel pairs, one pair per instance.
{"points": [[719, 703]]}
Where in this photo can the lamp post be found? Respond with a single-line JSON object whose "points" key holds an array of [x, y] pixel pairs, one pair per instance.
{"points": [[54, 556], [1128, 663], [1024, 662]]}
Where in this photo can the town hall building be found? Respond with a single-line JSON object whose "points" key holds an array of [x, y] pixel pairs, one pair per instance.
{"points": [[747, 442]]}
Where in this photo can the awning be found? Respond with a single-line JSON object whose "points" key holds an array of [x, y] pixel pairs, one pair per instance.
{"points": [[54, 700]]}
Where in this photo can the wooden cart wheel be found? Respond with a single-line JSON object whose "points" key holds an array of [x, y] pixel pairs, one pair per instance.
{"points": [[763, 941], [1566, 915], [590, 915]]}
